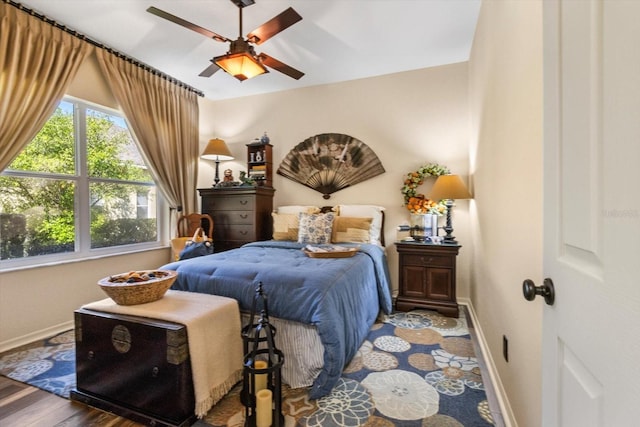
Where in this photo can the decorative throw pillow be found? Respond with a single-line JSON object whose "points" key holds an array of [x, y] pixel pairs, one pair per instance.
{"points": [[285, 226], [348, 229], [315, 228], [365, 211]]}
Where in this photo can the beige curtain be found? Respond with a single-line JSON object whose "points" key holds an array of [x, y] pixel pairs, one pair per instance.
{"points": [[164, 119], [37, 63]]}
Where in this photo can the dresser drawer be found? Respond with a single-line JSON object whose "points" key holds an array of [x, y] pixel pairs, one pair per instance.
{"points": [[229, 203], [243, 232], [429, 260], [233, 217]]}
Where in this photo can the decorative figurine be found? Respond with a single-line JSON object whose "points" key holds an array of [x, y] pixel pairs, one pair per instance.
{"points": [[228, 175], [246, 181], [264, 139]]}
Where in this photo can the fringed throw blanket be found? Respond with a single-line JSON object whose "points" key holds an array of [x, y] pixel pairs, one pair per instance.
{"points": [[213, 328]]}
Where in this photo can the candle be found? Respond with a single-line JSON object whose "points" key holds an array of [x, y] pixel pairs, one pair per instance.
{"points": [[263, 408], [434, 225], [261, 379]]}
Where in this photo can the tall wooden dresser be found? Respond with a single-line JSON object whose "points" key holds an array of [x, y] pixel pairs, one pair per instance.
{"points": [[240, 214]]}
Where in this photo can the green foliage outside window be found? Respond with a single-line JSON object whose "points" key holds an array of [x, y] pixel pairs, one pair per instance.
{"points": [[39, 197]]}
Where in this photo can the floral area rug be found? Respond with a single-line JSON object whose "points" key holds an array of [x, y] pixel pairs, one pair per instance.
{"points": [[49, 364], [415, 369]]}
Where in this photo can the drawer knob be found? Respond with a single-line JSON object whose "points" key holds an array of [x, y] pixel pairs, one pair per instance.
{"points": [[91, 355], [154, 372], [243, 232], [243, 202], [426, 260], [244, 216]]}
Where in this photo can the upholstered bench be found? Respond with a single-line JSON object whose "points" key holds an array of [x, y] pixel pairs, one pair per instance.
{"points": [[161, 363]]}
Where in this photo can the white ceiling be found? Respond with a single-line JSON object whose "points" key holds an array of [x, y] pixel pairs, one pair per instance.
{"points": [[337, 40]]}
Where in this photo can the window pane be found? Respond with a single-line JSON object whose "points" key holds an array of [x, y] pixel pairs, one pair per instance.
{"points": [[53, 148], [117, 217], [111, 152], [36, 216]]}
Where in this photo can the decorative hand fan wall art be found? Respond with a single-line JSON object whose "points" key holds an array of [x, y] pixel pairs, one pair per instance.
{"points": [[330, 162]]}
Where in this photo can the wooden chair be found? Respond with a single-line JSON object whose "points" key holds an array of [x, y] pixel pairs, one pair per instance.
{"points": [[187, 224]]}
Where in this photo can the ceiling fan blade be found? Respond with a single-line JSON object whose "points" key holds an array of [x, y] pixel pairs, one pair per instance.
{"points": [[280, 66], [210, 70], [187, 24], [274, 26]]}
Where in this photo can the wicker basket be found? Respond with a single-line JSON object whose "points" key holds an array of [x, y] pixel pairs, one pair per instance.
{"points": [[129, 289]]}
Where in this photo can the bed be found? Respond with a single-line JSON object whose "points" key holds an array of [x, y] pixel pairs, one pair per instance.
{"points": [[322, 308]]}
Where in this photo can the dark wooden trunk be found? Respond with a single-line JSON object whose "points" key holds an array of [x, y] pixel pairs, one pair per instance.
{"points": [[135, 367]]}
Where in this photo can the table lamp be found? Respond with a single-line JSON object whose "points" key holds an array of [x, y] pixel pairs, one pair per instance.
{"points": [[216, 150], [449, 188]]}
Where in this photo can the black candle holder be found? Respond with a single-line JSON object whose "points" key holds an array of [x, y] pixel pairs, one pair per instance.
{"points": [[262, 371]]}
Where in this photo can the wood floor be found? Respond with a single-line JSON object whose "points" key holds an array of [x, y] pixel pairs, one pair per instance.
{"points": [[24, 406]]}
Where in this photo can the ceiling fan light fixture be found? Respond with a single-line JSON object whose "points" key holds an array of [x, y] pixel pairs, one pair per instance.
{"points": [[240, 65]]}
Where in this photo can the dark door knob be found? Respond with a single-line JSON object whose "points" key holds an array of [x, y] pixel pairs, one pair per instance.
{"points": [[530, 290]]}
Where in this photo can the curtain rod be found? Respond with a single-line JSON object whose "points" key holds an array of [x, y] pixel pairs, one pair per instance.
{"points": [[112, 51]]}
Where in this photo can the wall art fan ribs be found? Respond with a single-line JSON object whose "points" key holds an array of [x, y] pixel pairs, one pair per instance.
{"points": [[330, 162]]}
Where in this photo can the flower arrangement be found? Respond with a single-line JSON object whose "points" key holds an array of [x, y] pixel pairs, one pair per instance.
{"points": [[418, 203], [421, 205]]}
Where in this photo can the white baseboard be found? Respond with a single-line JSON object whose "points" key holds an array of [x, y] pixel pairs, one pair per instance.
{"points": [[35, 336], [501, 395]]}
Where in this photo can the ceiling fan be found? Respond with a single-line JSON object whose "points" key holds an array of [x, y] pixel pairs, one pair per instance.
{"points": [[241, 61]]}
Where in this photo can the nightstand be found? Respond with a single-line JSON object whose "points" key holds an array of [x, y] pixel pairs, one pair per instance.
{"points": [[427, 277]]}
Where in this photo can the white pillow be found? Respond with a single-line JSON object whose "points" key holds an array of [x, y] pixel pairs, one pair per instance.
{"points": [[296, 209], [367, 211]]}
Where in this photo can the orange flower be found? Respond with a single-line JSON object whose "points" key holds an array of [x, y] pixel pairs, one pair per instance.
{"points": [[420, 205]]}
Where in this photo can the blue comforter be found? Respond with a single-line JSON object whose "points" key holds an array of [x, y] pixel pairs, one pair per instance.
{"points": [[341, 297]]}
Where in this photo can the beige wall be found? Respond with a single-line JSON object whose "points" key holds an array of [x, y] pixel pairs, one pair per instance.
{"points": [[408, 119], [505, 80]]}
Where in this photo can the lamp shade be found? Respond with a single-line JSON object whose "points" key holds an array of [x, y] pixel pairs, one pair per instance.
{"points": [[240, 65], [216, 150], [449, 187]]}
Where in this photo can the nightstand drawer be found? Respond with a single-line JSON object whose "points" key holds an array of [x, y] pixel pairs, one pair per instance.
{"points": [[428, 260], [229, 203]]}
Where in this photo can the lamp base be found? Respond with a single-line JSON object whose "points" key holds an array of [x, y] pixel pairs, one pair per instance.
{"points": [[216, 180], [449, 239]]}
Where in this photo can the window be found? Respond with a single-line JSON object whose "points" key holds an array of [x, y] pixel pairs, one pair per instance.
{"points": [[79, 188]]}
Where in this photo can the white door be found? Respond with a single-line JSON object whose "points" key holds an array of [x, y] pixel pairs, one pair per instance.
{"points": [[591, 335]]}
